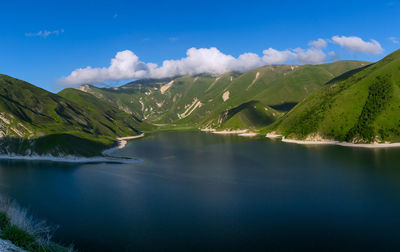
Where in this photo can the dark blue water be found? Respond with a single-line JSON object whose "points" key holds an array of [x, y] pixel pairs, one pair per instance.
{"points": [[197, 191]]}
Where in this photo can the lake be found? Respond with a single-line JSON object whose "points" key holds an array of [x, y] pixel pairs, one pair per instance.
{"points": [[199, 191]]}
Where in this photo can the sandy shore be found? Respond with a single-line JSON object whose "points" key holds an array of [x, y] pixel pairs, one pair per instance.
{"points": [[273, 135], [229, 132], [250, 134], [122, 142], [346, 144], [243, 133], [331, 142], [208, 130]]}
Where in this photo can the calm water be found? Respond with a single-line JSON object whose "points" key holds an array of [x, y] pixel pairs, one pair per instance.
{"points": [[197, 191]]}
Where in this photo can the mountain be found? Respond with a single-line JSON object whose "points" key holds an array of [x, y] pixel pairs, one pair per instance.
{"points": [[87, 120], [204, 100], [34, 121], [249, 115], [361, 106]]}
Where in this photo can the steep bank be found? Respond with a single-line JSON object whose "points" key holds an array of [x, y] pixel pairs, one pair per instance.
{"points": [[361, 107], [35, 122]]}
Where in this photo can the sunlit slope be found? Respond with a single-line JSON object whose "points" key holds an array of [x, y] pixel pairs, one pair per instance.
{"points": [[106, 118], [46, 123], [360, 107], [200, 100], [279, 87]]}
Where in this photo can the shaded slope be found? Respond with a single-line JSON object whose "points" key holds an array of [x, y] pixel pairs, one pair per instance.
{"points": [[249, 115]]}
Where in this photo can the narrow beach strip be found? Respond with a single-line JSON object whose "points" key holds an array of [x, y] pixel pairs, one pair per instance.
{"points": [[345, 144], [230, 132], [250, 134]]}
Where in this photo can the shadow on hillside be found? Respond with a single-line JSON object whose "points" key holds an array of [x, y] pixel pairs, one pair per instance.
{"points": [[284, 107], [54, 145]]}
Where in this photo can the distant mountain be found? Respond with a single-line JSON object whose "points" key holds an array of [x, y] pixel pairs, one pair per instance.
{"points": [[87, 120], [35, 121], [203, 101], [361, 106]]}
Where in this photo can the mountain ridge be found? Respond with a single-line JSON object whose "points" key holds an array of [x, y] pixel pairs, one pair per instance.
{"points": [[362, 107]]}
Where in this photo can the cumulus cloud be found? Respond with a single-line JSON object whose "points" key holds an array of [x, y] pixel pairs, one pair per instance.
{"points": [[127, 65], [44, 33], [394, 40], [356, 44], [274, 57], [319, 43], [299, 55]]}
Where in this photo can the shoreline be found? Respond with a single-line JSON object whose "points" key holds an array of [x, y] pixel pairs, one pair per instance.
{"points": [[243, 133], [332, 142], [122, 142], [249, 134], [69, 159], [107, 158]]}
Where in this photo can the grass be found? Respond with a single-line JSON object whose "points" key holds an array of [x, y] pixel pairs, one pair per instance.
{"points": [[275, 85], [24, 231], [380, 93], [361, 106], [39, 118], [251, 114]]}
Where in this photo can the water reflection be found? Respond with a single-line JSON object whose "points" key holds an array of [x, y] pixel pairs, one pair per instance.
{"points": [[204, 191]]}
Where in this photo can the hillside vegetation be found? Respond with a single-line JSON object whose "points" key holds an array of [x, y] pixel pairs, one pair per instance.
{"points": [[204, 100], [360, 107], [87, 120], [34, 121]]}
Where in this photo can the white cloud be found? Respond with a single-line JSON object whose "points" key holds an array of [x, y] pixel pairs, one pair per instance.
{"points": [[309, 56], [299, 55], [394, 40], [126, 65], [274, 57], [358, 45], [44, 33], [319, 43]]}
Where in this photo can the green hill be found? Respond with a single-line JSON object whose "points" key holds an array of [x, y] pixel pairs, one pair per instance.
{"points": [[361, 106], [87, 120], [34, 121], [250, 115], [201, 100]]}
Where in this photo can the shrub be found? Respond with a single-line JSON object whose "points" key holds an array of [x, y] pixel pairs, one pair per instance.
{"points": [[380, 92], [25, 231], [4, 220], [19, 237]]}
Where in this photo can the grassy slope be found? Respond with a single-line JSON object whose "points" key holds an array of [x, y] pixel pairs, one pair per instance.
{"points": [[358, 107], [35, 119], [250, 115], [275, 85]]}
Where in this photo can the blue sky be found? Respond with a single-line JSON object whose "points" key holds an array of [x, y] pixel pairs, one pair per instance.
{"points": [[43, 41]]}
